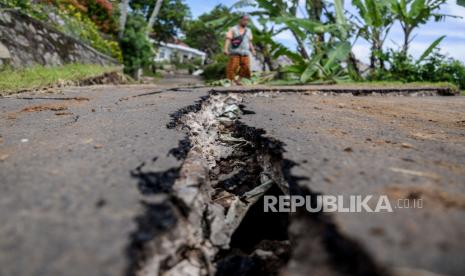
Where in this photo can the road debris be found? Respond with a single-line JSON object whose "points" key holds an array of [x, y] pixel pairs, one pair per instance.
{"points": [[63, 113], [3, 157], [348, 149], [416, 173], [38, 108], [407, 145]]}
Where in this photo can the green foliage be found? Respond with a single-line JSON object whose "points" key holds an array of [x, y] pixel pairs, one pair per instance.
{"points": [[325, 61], [326, 28], [12, 81], [255, 79], [171, 19], [413, 13], [435, 68], [438, 68], [217, 69], [101, 13], [83, 28], [431, 48], [137, 49], [20, 4], [204, 36], [325, 66], [377, 20], [70, 20], [221, 82], [187, 64]]}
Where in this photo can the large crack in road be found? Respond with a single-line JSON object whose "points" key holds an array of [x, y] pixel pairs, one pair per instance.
{"points": [[207, 217], [64, 182]]}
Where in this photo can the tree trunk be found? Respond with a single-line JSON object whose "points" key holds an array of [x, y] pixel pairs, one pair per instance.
{"points": [[380, 59], [314, 10], [137, 74], [300, 43], [407, 32], [376, 48], [153, 16], [301, 46], [354, 63], [269, 62], [124, 6], [372, 59]]}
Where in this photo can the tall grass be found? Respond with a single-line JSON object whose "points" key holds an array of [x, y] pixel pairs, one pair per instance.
{"points": [[12, 81]]}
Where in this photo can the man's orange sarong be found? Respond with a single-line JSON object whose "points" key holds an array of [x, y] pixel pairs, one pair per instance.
{"points": [[238, 65]]}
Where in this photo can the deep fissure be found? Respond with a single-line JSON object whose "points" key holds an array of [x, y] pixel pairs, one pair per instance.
{"points": [[260, 244], [217, 198]]}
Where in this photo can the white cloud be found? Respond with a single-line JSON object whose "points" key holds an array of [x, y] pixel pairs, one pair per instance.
{"points": [[362, 52], [453, 9], [286, 36]]}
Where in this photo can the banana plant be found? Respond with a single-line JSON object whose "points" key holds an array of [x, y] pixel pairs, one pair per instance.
{"points": [[413, 13], [317, 23], [328, 69], [263, 34], [265, 44], [283, 8], [430, 49], [377, 20], [322, 63]]}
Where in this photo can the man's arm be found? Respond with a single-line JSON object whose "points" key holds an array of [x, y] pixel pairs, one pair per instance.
{"points": [[229, 36], [251, 47], [226, 46]]}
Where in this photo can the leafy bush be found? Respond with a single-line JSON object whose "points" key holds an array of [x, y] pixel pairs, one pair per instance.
{"points": [[100, 12], [80, 26], [137, 49], [187, 64], [217, 69], [435, 68], [200, 32], [439, 68]]}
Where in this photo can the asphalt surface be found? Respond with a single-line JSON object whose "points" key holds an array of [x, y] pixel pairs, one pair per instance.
{"points": [[402, 147], [68, 200]]}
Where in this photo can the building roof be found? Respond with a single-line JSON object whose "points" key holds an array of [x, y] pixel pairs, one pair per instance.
{"points": [[178, 45]]}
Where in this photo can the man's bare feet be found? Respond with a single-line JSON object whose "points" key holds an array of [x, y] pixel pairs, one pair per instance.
{"points": [[237, 82]]}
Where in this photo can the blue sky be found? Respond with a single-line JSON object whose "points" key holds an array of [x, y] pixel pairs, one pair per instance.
{"points": [[453, 28]]}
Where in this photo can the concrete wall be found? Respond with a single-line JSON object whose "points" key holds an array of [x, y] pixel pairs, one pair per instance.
{"points": [[25, 41]]}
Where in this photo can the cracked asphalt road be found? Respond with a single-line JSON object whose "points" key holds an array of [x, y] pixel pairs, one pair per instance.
{"points": [[402, 147], [68, 201]]}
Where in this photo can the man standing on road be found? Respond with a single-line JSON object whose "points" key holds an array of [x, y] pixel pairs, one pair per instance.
{"points": [[238, 47]]}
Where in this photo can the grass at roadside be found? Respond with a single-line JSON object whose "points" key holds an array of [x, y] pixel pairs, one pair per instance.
{"points": [[404, 84], [13, 81], [395, 84]]}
